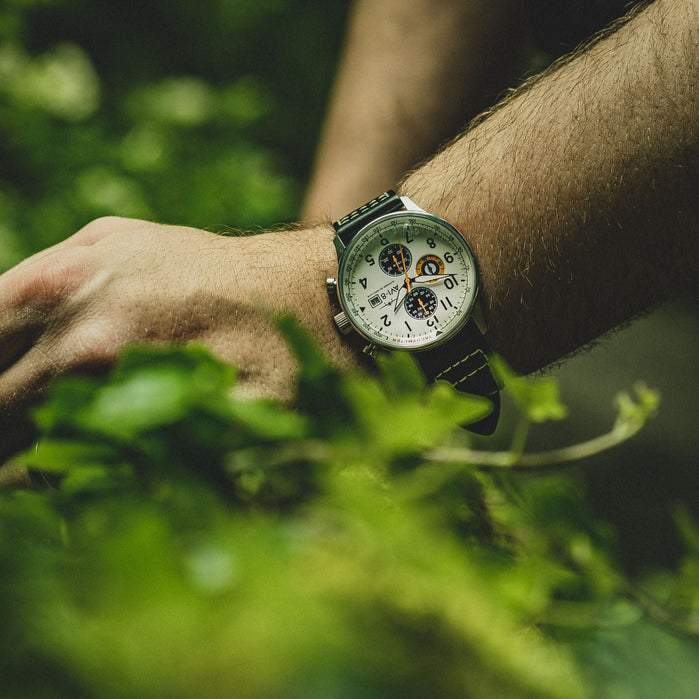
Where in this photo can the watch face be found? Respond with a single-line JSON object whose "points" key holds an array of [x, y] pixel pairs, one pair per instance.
{"points": [[407, 280]]}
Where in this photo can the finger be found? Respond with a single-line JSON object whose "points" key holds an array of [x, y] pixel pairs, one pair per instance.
{"points": [[88, 235], [20, 313], [29, 294], [28, 376], [24, 380], [33, 300], [12, 346], [35, 293]]}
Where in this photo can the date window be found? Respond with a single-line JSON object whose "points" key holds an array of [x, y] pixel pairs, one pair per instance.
{"points": [[374, 301]]}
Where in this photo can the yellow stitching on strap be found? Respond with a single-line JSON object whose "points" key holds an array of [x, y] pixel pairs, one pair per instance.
{"points": [[461, 361], [468, 376]]}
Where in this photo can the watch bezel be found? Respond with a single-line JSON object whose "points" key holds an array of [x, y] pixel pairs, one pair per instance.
{"points": [[466, 313]]}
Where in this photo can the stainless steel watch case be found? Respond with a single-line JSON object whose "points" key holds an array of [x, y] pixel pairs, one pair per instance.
{"points": [[342, 319]]}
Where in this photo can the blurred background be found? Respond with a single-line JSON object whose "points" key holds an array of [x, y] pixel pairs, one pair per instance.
{"points": [[207, 114], [202, 113]]}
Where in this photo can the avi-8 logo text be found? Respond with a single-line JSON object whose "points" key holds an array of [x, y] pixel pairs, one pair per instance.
{"points": [[383, 296]]}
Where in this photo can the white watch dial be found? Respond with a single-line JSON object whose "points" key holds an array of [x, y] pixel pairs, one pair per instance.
{"points": [[407, 280]]}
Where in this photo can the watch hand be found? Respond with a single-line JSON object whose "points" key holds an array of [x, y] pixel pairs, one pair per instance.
{"points": [[405, 269], [422, 305], [431, 278], [400, 296]]}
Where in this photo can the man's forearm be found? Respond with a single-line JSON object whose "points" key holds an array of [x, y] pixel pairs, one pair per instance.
{"points": [[578, 195], [412, 75]]}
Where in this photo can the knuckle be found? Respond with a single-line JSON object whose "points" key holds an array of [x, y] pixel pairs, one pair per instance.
{"points": [[95, 343], [101, 227], [55, 278], [106, 223]]}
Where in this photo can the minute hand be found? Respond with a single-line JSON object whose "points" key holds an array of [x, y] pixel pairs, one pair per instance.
{"points": [[400, 296]]}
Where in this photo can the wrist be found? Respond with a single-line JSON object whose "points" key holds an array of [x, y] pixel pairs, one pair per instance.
{"points": [[271, 274]]}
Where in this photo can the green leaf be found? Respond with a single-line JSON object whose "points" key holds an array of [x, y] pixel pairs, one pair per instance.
{"points": [[401, 374], [396, 422], [537, 398], [267, 419], [61, 455], [145, 400], [314, 365]]}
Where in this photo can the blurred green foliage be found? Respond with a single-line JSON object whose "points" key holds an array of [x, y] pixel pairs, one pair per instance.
{"points": [[199, 114], [201, 544]]}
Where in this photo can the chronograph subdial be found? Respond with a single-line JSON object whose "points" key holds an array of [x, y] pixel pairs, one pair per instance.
{"points": [[395, 260], [420, 303], [429, 264]]}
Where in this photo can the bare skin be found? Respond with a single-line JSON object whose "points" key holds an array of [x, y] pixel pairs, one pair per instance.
{"points": [[116, 281], [411, 75], [594, 163], [577, 196]]}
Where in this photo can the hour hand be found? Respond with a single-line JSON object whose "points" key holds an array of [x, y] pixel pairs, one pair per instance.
{"points": [[430, 278]]}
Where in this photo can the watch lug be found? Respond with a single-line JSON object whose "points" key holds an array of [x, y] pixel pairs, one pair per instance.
{"points": [[479, 317], [370, 349], [331, 285], [339, 247], [410, 205]]}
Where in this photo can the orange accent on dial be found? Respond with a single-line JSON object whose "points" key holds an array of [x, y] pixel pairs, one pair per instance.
{"points": [[434, 265]]}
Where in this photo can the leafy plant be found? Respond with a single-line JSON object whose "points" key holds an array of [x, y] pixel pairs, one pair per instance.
{"points": [[195, 543]]}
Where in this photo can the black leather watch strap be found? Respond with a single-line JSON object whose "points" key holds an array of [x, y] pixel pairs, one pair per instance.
{"points": [[463, 362], [348, 225]]}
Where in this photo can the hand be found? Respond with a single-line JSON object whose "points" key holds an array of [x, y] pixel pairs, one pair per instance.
{"points": [[117, 281]]}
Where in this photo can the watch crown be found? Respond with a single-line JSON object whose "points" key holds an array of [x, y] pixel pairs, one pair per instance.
{"points": [[331, 285], [343, 323]]}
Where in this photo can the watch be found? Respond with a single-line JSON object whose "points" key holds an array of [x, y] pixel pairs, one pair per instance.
{"points": [[407, 280]]}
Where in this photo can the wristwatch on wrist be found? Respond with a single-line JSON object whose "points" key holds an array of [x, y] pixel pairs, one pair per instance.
{"points": [[407, 280]]}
